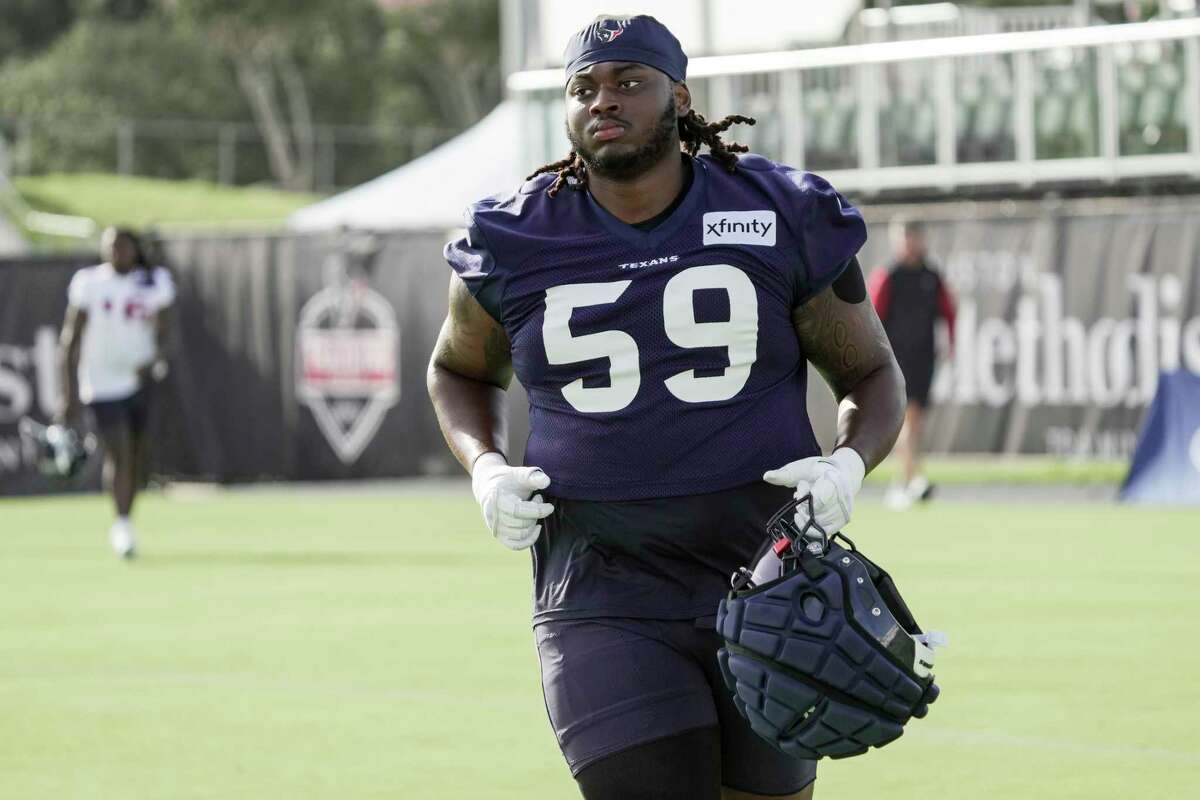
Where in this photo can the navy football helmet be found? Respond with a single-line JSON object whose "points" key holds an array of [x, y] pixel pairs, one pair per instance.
{"points": [[61, 451], [821, 653]]}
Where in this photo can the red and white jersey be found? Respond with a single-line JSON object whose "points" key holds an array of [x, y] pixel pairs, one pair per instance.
{"points": [[119, 337]]}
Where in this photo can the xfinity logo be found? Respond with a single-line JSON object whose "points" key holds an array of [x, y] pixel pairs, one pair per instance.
{"points": [[740, 227], [654, 262]]}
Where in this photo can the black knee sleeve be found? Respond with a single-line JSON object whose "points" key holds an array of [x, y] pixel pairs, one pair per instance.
{"points": [[683, 767]]}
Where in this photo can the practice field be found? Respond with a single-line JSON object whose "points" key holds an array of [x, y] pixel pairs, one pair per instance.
{"points": [[370, 644]]}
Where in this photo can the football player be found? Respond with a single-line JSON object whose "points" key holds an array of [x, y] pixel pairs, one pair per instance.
{"points": [[659, 307], [113, 350]]}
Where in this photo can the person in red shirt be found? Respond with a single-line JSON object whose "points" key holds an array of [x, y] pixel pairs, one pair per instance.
{"points": [[910, 297]]}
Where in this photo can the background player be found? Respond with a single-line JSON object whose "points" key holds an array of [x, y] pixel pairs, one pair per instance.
{"points": [[113, 349], [658, 308], [910, 297]]}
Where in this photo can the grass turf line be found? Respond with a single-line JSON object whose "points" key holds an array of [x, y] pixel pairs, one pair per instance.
{"points": [[320, 645]]}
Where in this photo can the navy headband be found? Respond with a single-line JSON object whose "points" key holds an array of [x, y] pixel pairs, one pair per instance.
{"points": [[641, 39]]}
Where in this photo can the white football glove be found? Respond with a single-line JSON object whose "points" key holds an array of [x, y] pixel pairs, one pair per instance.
{"points": [[833, 481], [503, 492]]}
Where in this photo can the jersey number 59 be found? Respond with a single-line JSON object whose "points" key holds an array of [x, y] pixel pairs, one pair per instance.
{"points": [[739, 334]]}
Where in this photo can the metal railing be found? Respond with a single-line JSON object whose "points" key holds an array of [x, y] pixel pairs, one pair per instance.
{"points": [[935, 20], [1092, 105]]}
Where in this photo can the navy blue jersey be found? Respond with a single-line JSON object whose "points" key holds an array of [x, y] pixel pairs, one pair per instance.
{"points": [[664, 362]]}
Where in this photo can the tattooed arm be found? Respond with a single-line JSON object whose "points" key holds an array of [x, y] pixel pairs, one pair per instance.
{"points": [[845, 342], [469, 371]]}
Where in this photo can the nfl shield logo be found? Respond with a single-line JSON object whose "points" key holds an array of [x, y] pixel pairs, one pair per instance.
{"points": [[347, 359]]}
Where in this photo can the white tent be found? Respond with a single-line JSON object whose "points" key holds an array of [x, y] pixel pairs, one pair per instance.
{"points": [[431, 191]]}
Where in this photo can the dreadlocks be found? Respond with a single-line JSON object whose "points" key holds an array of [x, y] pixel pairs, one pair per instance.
{"points": [[111, 234], [694, 131]]}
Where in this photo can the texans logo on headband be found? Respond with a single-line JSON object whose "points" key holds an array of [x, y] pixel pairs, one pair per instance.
{"points": [[608, 34], [644, 40]]}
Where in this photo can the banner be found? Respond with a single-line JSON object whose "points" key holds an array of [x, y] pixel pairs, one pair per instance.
{"points": [[304, 357], [1166, 464], [33, 299], [296, 358], [1064, 322]]}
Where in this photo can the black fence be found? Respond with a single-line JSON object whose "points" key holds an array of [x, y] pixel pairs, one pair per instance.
{"points": [[303, 357]]}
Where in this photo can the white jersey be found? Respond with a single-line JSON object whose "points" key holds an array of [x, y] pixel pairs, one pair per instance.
{"points": [[119, 337]]}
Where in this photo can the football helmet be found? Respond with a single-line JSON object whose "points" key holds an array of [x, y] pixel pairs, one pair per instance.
{"points": [[61, 450], [820, 652]]}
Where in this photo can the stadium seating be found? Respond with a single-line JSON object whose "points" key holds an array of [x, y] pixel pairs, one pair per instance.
{"points": [[830, 120], [985, 114], [1065, 114], [1151, 108], [908, 113]]}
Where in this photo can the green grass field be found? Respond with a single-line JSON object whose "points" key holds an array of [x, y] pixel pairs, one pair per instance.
{"points": [[327, 644], [145, 202], [1022, 470]]}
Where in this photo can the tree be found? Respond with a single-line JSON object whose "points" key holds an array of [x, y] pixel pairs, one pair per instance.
{"points": [[443, 62], [116, 10], [31, 25], [284, 65], [260, 39], [76, 92]]}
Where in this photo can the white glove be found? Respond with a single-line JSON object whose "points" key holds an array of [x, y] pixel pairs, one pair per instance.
{"points": [[833, 481], [503, 492]]}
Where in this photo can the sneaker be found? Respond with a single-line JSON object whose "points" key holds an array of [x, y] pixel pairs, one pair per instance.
{"points": [[920, 490], [120, 536], [896, 498]]}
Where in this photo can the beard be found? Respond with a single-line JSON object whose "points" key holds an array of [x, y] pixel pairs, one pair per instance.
{"points": [[622, 166]]}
